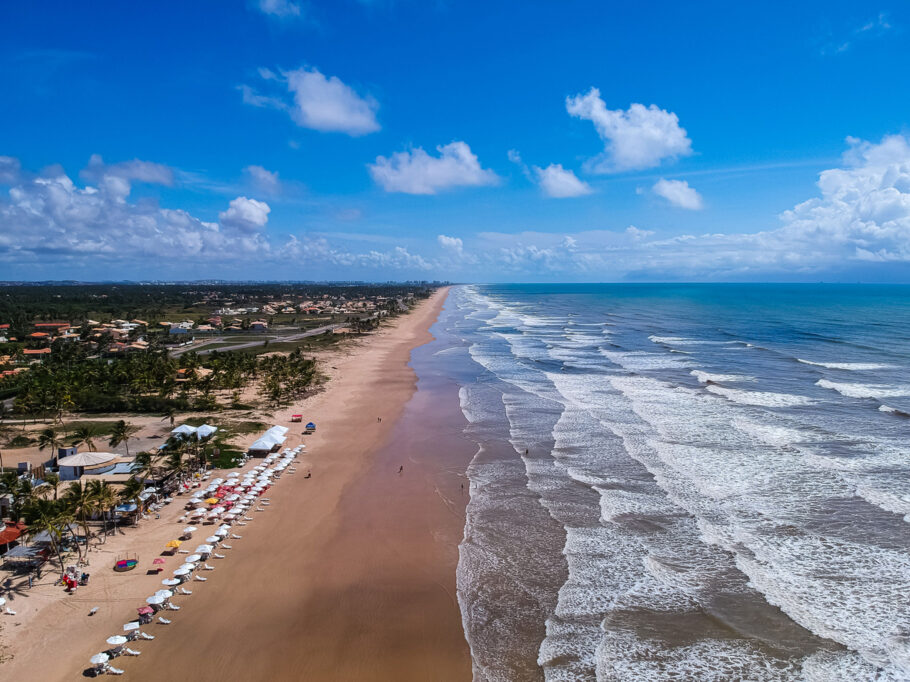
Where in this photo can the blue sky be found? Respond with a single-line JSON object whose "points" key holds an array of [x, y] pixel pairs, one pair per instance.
{"points": [[496, 141]]}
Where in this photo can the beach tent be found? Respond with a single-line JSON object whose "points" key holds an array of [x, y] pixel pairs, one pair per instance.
{"points": [[311, 426], [205, 431], [184, 430]]}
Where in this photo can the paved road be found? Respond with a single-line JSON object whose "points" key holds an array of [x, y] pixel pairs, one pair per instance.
{"points": [[252, 344]]}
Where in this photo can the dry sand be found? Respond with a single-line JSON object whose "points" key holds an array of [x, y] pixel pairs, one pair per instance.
{"points": [[348, 575]]}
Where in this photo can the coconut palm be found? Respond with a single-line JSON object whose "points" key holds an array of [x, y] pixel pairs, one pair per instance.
{"points": [[80, 502], [121, 433], [170, 414], [104, 500], [48, 516], [86, 434], [53, 480], [131, 491], [49, 438]]}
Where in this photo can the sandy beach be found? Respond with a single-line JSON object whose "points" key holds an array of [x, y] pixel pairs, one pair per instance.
{"points": [[349, 574]]}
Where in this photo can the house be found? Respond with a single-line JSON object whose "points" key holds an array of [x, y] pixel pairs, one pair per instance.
{"points": [[178, 330], [42, 336], [36, 351], [52, 326], [259, 326]]}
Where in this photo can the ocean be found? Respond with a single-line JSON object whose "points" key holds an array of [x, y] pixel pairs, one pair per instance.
{"points": [[684, 482]]}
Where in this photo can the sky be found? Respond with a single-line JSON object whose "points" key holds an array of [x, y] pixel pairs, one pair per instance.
{"points": [[527, 141]]}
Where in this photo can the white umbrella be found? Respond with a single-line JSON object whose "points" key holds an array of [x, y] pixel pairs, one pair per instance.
{"points": [[193, 558], [2, 601], [155, 599], [170, 582], [221, 532], [189, 566], [197, 512], [211, 539], [117, 640], [164, 594], [98, 659], [182, 571], [205, 549], [190, 529]]}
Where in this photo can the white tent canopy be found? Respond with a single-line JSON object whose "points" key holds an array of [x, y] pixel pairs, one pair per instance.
{"points": [[205, 431], [86, 459], [184, 430]]}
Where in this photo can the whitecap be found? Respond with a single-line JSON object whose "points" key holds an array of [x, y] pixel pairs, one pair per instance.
{"points": [[760, 398], [849, 366], [865, 390], [705, 377]]}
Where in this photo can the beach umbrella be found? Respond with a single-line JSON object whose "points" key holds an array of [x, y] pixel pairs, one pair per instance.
{"points": [[164, 594], [174, 543], [2, 601], [158, 560], [205, 549], [155, 599], [211, 539], [193, 558], [190, 529], [117, 640], [212, 500], [197, 512], [221, 532], [144, 610], [182, 572], [170, 582], [99, 659]]}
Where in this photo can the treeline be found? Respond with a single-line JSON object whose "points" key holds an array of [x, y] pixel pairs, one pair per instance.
{"points": [[148, 381], [22, 305]]}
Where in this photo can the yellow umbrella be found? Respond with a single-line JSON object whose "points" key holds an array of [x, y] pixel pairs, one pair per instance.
{"points": [[174, 544], [212, 500]]}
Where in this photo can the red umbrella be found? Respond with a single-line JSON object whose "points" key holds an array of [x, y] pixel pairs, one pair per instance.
{"points": [[145, 609], [159, 560]]}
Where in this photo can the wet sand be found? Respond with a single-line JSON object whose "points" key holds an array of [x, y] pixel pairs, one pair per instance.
{"points": [[349, 574]]}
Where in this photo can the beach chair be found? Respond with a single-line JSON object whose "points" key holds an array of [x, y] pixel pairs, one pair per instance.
{"points": [[163, 620], [200, 578], [173, 607], [185, 591], [112, 670], [131, 652], [9, 612], [145, 635], [226, 547], [208, 568], [218, 556], [235, 536]]}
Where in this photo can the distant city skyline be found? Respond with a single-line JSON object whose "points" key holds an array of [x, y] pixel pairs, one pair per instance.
{"points": [[400, 140]]}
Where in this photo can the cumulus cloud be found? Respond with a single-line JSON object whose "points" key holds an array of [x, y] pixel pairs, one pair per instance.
{"points": [[557, 182], [317, 102], [416, 172], [637, 138], [245, 215], [263, 180], [678, 193], [279, 8], [453, 244]]}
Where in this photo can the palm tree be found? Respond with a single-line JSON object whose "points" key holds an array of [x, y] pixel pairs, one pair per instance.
{"points": [[79, 499], [43, 515], [53, 480], [170, 414], [104, 500], [49, 438], [86, 434], [175, 464], [131, 491], [121, 434], [142, 465]]}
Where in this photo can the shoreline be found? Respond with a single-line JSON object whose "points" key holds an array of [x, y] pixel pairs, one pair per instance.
{"points": [[256, 604]]}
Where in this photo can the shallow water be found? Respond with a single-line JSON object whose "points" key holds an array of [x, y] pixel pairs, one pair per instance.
{"points": [[684, 482]]}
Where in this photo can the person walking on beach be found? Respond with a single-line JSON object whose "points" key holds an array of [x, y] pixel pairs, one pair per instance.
{"points": [[401, 468]]}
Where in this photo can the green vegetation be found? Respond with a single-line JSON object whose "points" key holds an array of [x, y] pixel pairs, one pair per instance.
{"points": [[148, 381]]}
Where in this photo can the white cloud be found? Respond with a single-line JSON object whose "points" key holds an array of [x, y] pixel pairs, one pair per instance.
{"points": [[318, 102], [453, 244], [245, 215], [555, 181], [9, 170], [327, 104], [140, 171], [416, 172], [637, 138], [263, 180], [279, 8], [678, 193]]}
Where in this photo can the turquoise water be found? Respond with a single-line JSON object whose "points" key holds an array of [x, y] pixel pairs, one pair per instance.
{"points": [[680, 482]]}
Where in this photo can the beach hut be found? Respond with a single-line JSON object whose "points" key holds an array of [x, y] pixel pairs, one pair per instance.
{"points": [[72, 468], [296, 417], [310, 427]]}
